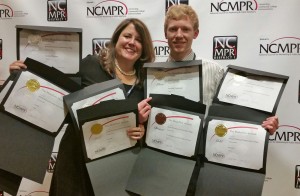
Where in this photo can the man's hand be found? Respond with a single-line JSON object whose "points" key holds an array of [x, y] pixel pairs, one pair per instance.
{"points": [[271, 124]]}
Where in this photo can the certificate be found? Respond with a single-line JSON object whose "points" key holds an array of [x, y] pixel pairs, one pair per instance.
{"points": [[115, 94], [37, 101], [252, 91], [173, 131], [235, 143], [56, 49], [108, 135], [182, 81]]}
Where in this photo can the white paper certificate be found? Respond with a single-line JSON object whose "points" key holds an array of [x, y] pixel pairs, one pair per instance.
{"points": [[55, 49], [116, 94], [235, 143], [256, 92], [182, 81], [37, 101], [108, 135], [173, 131]]}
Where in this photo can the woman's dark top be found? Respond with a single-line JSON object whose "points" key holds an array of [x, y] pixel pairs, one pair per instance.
{"points": [[70, 177]]}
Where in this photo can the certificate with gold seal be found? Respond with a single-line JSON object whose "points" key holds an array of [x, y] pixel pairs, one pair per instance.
{"points": [[54, 46], [37, 101], [180, 81], [108, 135], [177, 78], [115, 94], [173, 131], [235, 143]]}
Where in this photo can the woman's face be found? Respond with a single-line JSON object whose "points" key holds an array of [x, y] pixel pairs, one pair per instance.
{"points": [[129, 45]]}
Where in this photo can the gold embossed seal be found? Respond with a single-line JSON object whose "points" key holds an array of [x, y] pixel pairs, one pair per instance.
{"points": [[34, 39], [33, 85], [96, 128], [159, 74], [221, 130]]}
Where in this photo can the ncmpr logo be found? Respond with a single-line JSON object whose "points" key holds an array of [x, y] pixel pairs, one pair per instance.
{"points": [[286, 134], [6, 12], [161, 49], [279, 46], [297, 177], [225, 47], [52, 162], [99, 44], [219, 155], [231, 96], [1, 49], [169, 3], [107, 8], [232, 6], [57, 10]]}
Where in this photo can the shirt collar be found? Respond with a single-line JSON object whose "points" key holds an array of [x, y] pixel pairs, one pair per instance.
{"points": [[189, 57]]}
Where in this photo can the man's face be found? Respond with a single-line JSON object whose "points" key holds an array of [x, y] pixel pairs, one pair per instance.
{"points": [[180, 35]]}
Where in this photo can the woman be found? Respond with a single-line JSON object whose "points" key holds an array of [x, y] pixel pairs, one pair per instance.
{"points": [[130, 47]]}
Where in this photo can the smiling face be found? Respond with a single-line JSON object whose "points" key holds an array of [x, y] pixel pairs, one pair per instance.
{"points": [[129, 46], [180, 34]]}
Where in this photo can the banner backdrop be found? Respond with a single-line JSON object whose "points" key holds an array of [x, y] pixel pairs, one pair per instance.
{"points": [[259, 34]]}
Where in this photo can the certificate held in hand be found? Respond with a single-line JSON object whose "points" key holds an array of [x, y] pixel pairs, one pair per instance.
{"points": [[108, 150], [177, 78], [251, 88], [32, 108], [56, 47]]}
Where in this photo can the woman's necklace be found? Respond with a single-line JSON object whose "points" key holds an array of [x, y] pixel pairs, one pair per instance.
{"points": [[123, 72]]}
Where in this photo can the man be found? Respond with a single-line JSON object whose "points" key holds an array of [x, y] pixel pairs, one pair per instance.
{"points": [[181, 28]]}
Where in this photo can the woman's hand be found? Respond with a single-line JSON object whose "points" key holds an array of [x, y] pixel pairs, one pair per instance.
{"points": [[144, 110], [136, 133], [17, 65], [271, 124]]}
